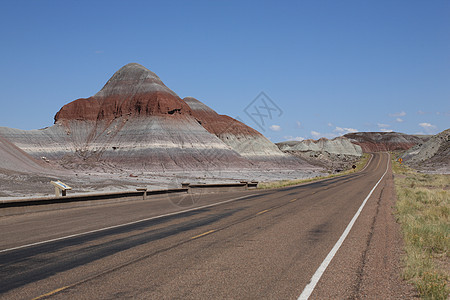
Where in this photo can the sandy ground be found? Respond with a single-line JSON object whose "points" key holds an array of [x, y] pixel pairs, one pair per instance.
{"points": [[24, 185], [444, 169]]}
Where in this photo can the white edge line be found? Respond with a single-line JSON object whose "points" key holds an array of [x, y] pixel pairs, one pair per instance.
{"points": [[121, 225], [309, 288]]}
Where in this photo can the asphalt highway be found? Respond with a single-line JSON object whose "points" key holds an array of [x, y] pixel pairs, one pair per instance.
{"points": [[256, 244]]}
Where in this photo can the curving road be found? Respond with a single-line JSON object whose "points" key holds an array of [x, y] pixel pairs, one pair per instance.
{"points": [[253, 244]]}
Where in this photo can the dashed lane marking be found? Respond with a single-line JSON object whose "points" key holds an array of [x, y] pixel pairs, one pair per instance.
{"points": [[262, 212], [122, 225], [203, 234], [51, 293]]}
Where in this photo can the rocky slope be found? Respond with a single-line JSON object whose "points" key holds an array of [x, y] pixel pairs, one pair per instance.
{"points": [[21, 174], [243, 139], [433, 155], [383, 141], [336, 154], [15, 159]]}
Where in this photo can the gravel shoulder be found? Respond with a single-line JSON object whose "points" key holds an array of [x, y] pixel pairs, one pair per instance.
{"points": [[376, 241]]}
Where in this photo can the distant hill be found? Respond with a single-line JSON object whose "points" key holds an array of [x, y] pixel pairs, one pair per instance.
{"points": [[432, 155], [336, 154], [383, 141]]}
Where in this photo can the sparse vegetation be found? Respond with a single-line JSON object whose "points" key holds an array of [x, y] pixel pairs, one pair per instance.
{"points": [[423, 208], [283, 183]]}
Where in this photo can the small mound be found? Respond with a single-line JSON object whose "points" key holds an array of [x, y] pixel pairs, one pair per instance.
{"points": [[15, 159], [242, 138]]}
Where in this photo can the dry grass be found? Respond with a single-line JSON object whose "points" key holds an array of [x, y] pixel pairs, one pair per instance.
{"points": [[283, 183], [423, 209]]}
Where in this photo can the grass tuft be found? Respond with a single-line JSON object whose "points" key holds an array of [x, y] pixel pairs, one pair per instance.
{"points": [[423, 209]]}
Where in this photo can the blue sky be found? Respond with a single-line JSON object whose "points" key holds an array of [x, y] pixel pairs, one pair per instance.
{"points": [[330, 67]]}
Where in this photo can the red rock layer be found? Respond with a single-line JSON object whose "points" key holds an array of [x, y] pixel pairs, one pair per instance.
{"points": [[111, 107], [242, 138], [133, 91], [383, 141], [215, 123]]}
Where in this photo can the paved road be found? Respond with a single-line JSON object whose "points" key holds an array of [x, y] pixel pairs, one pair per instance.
{"points": [[254, 244]]}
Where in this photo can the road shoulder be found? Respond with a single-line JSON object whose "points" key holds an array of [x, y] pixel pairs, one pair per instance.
{"points": [[369, 263]]}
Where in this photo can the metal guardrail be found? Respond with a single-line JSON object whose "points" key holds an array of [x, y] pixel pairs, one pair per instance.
{"points": [[141, 193], [84, 197]]}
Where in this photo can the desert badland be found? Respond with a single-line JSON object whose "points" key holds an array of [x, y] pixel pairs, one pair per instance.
{"points": [[137, 132]]}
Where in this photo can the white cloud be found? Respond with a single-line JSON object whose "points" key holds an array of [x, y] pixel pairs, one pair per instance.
{"points": [[275, 127], [380, 125], [386, 130], [298, 124], [344, 130], [315, 134], [291, 138], [421, 112], [427, 126], [399, 114], [99, 52], [399, 120], [330, 124]]}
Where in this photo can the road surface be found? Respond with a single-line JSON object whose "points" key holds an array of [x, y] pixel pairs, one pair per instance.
{"points": [[254, 245]]}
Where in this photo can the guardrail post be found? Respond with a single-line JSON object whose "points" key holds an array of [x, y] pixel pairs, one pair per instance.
{"points": [[144, 190], [60, 186]]}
